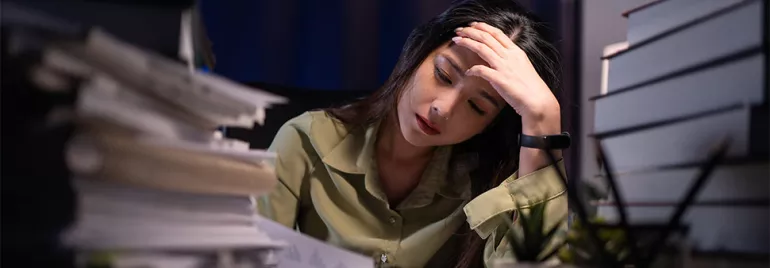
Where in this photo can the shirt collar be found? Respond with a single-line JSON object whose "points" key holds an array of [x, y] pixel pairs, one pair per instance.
{"points": [[354, 154], [446, 175]]}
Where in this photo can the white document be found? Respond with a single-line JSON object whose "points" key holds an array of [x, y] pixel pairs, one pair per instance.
{"points": [[115, 232], [224, 147], [303, 251], [120, 200], [202, 93]]}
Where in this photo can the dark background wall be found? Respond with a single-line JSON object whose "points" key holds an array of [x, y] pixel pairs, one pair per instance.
{"points": [[331, 45]]}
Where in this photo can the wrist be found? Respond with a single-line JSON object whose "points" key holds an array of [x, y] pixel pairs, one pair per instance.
{"points": [[543, 121]]}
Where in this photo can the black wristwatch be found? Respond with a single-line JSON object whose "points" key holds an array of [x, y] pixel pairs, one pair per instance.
{"points": [[548, 142]]}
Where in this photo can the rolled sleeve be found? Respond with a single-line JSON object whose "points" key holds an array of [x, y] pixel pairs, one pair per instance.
{"points": [[536, 187]]}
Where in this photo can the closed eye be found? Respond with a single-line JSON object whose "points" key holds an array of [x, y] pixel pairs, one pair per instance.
{"points": [[476, 108], [442, 76]]}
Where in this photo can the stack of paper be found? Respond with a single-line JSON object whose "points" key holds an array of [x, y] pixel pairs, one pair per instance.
{"points": [[157, 185]]}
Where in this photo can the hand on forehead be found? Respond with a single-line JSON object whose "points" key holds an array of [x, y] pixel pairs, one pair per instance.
{"points": [[460, 59], [464, 57]]}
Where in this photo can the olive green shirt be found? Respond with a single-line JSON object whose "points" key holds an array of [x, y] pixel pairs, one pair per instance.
{"points": [[329, 189]]}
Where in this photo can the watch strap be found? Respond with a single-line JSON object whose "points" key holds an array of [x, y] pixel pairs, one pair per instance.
{"points": [[551, 142]]}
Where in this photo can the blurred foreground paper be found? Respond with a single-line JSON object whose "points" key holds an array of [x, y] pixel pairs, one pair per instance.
{"points": [[307, 252]]}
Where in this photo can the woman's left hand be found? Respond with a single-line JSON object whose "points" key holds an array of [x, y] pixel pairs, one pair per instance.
{"points": [[510, 72]]}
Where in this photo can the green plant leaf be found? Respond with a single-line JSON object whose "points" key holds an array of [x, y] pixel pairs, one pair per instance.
{"points": [[532, 240], [548, 237], [566, 255], [534, 228], [523, 218], [553, 251], [555, 229], [519, 250], [536, 217]]}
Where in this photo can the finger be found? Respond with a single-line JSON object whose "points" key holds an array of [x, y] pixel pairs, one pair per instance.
{"points": [[495, 32], [491, 75], [483, 37], [486, 53], [496, 79]]}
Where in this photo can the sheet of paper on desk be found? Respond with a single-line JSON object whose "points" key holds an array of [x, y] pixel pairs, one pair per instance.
{"points": [[307, 252]]}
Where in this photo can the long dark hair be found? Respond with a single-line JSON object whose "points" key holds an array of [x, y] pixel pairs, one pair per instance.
{"points": [[496, 147]]}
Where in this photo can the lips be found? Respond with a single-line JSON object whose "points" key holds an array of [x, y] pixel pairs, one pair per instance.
{"points": [[426, 126]]}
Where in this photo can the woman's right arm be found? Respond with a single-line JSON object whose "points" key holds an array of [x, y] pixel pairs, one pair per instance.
{"points": [[293, 166]]}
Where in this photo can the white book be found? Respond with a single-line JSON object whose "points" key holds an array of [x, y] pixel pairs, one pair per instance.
{"points": [[103, 98], [156, 122], [224, 147], [186, 39], [712, 228], [122, 200], [103, 94], [628, 6], [200, 93], [735, 82], [726, 183], [206, 95], [686, 142], [735, 30], [110, 232], [101, 154], [666, 15], [63, 61], [609, 50]]}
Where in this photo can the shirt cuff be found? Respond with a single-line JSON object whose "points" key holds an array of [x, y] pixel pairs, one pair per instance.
{"points": [[537, 187]]}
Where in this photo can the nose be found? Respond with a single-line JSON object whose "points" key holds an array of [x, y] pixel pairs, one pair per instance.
{"points": [[445, 104]]}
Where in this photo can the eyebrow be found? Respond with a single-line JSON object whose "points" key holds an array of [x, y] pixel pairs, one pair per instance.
{"points": [[454, 65], [483, 93], [490, 98]]}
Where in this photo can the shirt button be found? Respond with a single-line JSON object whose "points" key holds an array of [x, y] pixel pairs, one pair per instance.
{"points": [[384, 258], [392, 220]]}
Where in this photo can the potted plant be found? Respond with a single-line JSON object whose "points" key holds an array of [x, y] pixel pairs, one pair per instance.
{"points": [[591, 242], [531, 243], [578, 249]]}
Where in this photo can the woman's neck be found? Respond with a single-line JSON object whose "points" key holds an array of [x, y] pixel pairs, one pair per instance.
{"points": [[392, 145]]}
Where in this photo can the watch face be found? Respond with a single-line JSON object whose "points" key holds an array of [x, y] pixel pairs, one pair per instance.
{"points": [[558, 141]]}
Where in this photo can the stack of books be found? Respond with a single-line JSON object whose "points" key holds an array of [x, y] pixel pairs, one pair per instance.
{"points": [[692, 75], [156, 184]]}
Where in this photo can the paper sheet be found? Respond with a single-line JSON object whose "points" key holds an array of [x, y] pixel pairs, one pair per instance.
{"points": [[306, 252]]}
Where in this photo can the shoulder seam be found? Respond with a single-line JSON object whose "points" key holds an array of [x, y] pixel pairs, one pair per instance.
{"points": [[317, 156], [304, 187]]}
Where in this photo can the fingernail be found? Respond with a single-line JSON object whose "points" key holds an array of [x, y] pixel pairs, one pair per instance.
{"points": [[459, 29], [456, 39], [474, 23]]}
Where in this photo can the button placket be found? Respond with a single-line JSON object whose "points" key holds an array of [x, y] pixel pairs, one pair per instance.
{"points": [[395, 221]]}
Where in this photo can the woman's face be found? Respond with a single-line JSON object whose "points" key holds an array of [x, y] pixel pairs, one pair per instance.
{"points": [[443, 106]]}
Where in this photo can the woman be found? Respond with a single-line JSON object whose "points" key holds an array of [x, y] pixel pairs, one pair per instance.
{"points": [[405, 174]]}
